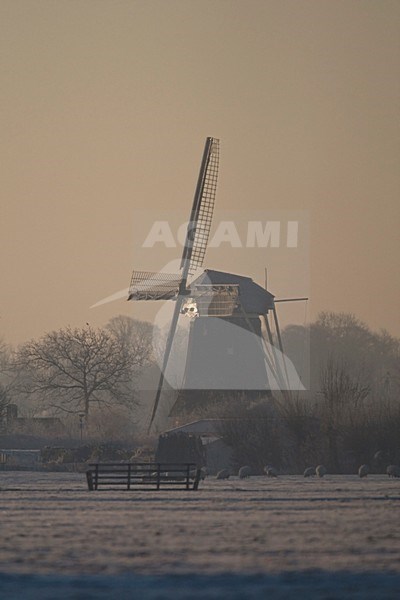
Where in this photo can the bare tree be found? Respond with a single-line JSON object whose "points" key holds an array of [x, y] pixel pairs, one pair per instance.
{"points": [[340, 389], [134, 337], [7, 377], [253, 432], [298, 414], [3, 355], [72, 369], [342, 407], [345, 339], [4, 401]]}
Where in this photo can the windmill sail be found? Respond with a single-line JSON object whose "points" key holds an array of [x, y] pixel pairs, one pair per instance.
{"points": [[202, 210], [153, 286], [167, 352], [195, 243]]}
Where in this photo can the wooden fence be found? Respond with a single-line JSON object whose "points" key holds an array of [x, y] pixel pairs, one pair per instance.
{"points": [[143, 476]]}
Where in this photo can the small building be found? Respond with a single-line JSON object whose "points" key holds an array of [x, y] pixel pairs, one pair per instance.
{"points": [[26, 425], [217, 455]]}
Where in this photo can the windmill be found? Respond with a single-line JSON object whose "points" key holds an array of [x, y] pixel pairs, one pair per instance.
{"points": [[231, 342]]}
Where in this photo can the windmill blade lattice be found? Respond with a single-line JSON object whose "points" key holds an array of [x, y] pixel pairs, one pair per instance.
{"points": [[203, 208], [146, 285], [165, 286]]}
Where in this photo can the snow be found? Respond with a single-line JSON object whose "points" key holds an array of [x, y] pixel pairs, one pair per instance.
{"points": [[333, 537]]}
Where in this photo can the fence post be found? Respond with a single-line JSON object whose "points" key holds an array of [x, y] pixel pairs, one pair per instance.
{"points": [[158, 475], [197, 479], [89, 480], [96, 476], [187, 476]]}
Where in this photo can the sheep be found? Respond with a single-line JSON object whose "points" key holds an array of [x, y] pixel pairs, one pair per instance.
{"points": [[203, 473], [270, 471], [321, 470], [244, 472], [223, 474], [393, 471], [363, 471], [309, 472]]}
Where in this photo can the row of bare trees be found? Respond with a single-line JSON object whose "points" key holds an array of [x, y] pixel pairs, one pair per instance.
{"points": [[350, 411], [5, 360], [293, 432], [74, 371]]}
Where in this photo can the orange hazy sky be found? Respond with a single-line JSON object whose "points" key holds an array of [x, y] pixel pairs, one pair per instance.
{"points": [[105, 109]]}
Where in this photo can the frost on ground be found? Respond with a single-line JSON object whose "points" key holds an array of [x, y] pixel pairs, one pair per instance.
{"points": [[337, 537]]}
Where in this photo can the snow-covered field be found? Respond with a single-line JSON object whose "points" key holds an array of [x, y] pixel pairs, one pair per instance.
{"points": [[337, 537]]}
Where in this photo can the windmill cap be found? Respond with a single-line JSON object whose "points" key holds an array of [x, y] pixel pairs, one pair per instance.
{"points": [[253, 298]]}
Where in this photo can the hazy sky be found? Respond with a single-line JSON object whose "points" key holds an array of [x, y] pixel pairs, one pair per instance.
{"points": [[105, 109]]}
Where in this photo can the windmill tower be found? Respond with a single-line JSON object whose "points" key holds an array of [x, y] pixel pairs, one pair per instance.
{"points": [[231, 345]]}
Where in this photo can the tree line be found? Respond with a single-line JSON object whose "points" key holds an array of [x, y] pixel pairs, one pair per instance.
{"points": [[349, 414], [351, 408], [76, 371]]}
